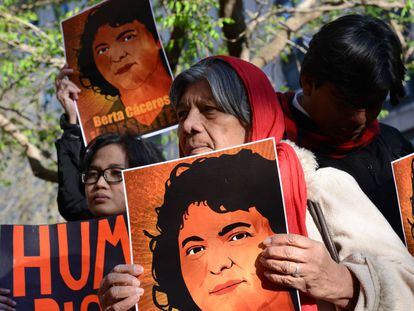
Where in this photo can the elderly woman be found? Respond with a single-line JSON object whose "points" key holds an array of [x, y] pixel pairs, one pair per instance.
{"points": [[225, 101]]}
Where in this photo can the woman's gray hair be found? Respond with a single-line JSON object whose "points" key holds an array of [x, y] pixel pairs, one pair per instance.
{"points": [[226, 86]]}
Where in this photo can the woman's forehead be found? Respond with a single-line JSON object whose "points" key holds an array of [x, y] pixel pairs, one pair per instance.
{"points": [[194, 219], [110, 155], [199, 91], [107, 31]]}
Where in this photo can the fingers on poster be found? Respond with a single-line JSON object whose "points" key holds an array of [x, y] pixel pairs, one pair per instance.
{"points": [[403, 170], [121, 68], [197, 226]]}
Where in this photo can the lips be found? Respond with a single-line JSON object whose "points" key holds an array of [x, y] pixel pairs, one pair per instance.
{"points": [[100, 198], [124, 68], [227, 287], [196, 149]]}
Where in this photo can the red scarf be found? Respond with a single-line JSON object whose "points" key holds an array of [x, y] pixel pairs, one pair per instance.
{"points": [[311, 138], [268, 121]]}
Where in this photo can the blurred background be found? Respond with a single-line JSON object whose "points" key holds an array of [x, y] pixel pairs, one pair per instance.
{"points": [[272, 34]]}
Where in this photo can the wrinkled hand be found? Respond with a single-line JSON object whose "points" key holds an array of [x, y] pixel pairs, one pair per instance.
{"points": [[120, 289], [6, 304], [299, 262], [67, 92]]}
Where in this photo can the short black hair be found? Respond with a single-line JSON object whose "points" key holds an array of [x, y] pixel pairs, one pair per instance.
{"points": [[139, 151], [226, 183], [360, 55], [115, 14]]}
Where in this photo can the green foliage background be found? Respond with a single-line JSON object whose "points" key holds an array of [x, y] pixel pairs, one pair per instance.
{"points": [[31, 53]]}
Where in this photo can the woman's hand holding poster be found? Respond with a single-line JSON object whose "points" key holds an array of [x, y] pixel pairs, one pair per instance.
{"points": [[197, 226], [120, 66]]}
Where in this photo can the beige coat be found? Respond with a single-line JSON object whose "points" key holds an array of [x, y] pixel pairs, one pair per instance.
{"points": [[364, 239]]}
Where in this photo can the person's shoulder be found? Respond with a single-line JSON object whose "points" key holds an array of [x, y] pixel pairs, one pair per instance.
{"points": [[389, 130], [395, 140]]}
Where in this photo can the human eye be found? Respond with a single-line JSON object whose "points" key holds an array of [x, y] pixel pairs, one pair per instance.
{"points": [[209, 109], [240, 236], [194, 250], [182, 114], [114, 174], [91, 173], [128, 37], [90, 176], [102, 50]]}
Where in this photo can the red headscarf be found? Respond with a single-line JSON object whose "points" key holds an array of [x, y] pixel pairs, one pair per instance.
{"points": [[268, 121]]}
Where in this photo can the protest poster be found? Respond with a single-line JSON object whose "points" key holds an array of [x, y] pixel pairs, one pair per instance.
{"points": [[403, 171], [120, 67], [59, 267], [197, 226]]}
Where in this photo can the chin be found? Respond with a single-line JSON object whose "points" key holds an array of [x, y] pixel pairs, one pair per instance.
{"points": [[130, 85], [101, 211], [200, 151], [97, 212]]}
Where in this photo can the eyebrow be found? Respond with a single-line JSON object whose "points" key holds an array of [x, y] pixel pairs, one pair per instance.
{"points": [[124, 33], [94, 167], [190, 239], [99, 45], [230, 227], [204, 101]]}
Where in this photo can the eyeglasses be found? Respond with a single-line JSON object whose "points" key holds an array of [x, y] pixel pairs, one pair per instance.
{"points": [[111, 175]]}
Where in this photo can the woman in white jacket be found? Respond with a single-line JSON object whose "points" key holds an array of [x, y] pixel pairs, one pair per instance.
{"points": [[374, 270]]}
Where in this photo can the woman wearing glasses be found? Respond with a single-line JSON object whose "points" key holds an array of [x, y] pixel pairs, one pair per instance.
{"points": [[102, 194], [104, 159]]}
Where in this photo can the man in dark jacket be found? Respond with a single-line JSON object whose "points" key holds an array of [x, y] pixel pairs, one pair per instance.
{"points": [[352, 65]]}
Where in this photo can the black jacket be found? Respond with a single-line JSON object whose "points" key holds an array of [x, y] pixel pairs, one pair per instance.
{"points": [[370, 166], [71, 196]]}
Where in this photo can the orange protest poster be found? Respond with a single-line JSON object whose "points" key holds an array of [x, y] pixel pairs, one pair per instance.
{"points": [[197, 226], [403, 170], [120, 67], [60, 266]]}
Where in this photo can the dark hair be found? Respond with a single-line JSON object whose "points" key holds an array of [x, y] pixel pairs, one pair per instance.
{"points": [[221, 77], [139, 151], [360, 55], [114, 14], [233, 182]]}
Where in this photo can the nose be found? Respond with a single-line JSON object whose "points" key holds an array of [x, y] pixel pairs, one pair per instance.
{"points": [[359, 118], [220, 265], [220, 261], [117, 53], [101, 182], [193, 123]]}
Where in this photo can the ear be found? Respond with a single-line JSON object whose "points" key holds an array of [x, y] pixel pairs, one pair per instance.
{"points": [[307, 84], [248, 133]]}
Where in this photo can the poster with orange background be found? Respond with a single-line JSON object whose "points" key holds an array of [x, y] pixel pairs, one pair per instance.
{"points": [[120, 67], [403, 170], [197, 224], [60, 266]]}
